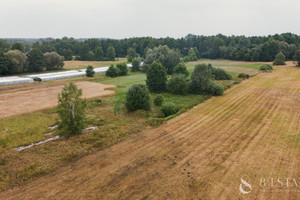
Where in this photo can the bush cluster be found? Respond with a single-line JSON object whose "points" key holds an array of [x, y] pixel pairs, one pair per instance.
{"points": [[201, 81], [137, 98], [90, 71], [181, 69], [221, 74], [156, 77], [178, 84], [158, 100], [280, 59], [119, 70], [244, 76], [266, 67], [169, 109]]}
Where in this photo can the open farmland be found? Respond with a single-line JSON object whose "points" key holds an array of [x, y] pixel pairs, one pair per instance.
{"points": [[251, 68], [77, 64], [252, 131], [21, 102]]}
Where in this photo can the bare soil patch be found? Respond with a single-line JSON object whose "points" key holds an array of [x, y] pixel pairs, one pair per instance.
{"points": [[22, 102]]}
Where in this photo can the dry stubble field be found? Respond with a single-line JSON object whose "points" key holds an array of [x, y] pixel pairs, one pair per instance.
{"points": [[20, 101], [251, 132]]}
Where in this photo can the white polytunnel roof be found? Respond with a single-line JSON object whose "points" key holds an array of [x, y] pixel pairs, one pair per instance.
{"points": [[11, 80]]}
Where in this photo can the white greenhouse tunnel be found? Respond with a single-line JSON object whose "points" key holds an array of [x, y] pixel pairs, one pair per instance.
{"points": [[12, 80]]}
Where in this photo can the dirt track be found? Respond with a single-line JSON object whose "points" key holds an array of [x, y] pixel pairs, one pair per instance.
{"points": [[252, 132], [21, 102]]}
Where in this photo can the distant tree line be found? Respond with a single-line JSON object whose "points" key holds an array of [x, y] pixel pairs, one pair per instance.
{"points": [[16, 61], [256, 48], [190, 48]]}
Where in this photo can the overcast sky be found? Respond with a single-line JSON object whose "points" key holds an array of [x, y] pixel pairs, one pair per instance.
{"points": [[156, 18]]}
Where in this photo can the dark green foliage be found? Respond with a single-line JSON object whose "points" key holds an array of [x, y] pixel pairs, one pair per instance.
{"points": [[35, 60], [135, 64], [181, 69], [67, 54], [297, 58], [192, 56], [123, 70], [158, 100], [216, 90], [99, 54], [18, 46], [178, 84], [112, 71], [169, 108], [156, 77], [137, 98], [220, 74], [244, 76], [280, 59], [164, 55], [71, 111], [266, 67], [18, 60], [53, 61], [131, 54], [111, 53], [201, 79], [90, 71], [5, 65]]}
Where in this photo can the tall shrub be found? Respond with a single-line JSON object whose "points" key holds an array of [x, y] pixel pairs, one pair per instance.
{"points": [[156, 77]]}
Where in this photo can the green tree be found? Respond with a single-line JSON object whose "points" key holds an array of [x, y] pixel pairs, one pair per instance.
{"points": [[35, 60], [280, 59], [201, 79], [4, 46], [181, 69], [68, 54], [169, 108], [18, 46], [112, 71], [123, 70], [111, 53], [135, 65], [297, 58], [178, 84], [90, 71], [158, 100], [53, 61], [131, 54], [99, 53], [71, 110], [18, 60], [5, 65], [164, 55], [156, 77], [137, 98]]}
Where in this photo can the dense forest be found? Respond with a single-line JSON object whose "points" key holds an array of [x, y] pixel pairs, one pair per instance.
{"points": [[191, 47]]}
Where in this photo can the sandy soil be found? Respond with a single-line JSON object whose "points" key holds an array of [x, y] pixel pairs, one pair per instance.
{"points": [[20, 102], [251, 132]]}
